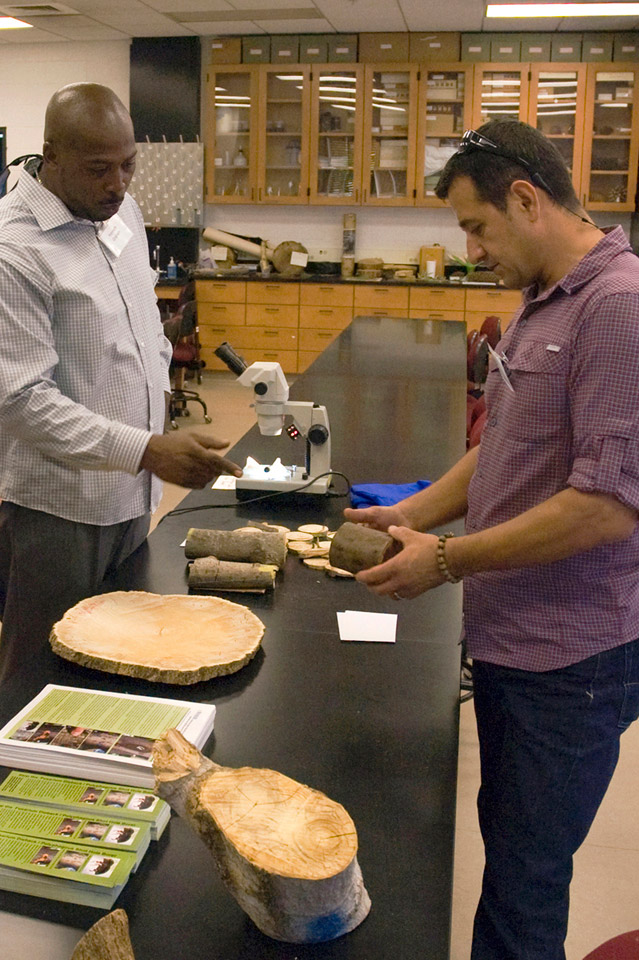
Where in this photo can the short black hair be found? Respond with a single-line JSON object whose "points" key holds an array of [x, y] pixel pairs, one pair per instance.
{"points": [[492, 174]]}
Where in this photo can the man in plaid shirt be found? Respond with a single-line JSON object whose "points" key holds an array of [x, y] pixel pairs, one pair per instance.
{"points": [[550, 555]]}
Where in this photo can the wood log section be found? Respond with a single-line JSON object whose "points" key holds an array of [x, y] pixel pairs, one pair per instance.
{"points": [[287, 853], [244, 546], [170, 639], [356, 547], [108, 939], [209, 573]]}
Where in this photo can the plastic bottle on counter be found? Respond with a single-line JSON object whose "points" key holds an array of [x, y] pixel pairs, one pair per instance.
{"points": [[171, 270]]}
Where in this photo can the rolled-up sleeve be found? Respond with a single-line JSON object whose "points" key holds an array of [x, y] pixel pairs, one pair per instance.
{"points": [[604, 392]]}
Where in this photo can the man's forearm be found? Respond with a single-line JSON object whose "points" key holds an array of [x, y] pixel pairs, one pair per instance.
{"points": [[446, 499], [568, 523]]}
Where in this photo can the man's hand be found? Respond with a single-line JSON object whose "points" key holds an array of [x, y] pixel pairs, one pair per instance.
{"points": [[410, 572], [379, 518], [187, 459]]}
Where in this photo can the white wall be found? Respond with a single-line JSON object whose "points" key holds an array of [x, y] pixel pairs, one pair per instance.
{"points": [[31, 72]]}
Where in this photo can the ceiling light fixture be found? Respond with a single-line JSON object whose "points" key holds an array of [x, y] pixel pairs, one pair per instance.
{"points": [[528, 10], [10, 23]]}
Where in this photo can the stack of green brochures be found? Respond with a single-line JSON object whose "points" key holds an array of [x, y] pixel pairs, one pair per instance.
{"points": [[97, 734], [84, 798]]}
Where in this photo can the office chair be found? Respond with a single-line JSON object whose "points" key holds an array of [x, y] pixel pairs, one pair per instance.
{"points": [[181, 329]]}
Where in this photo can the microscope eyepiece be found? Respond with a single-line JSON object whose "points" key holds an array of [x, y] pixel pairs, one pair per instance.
{"points": [[234, 362]]}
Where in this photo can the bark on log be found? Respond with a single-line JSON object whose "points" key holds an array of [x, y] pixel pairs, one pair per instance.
{"points": [[108, 939], [247, 546], [287, 853], [209, 573], [356, 547]]}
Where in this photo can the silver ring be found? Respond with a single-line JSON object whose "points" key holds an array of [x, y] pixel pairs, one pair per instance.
{"points": [[396, 595]]}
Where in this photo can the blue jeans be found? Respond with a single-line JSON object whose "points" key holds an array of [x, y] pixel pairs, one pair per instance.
{"points": [[549, 744]]}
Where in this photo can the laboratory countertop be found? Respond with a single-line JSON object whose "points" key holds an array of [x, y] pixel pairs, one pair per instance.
{"points": [[255, 277]]}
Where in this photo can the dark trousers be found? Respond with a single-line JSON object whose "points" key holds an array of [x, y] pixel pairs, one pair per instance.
{"points": [[47, 565], [549, 743]]}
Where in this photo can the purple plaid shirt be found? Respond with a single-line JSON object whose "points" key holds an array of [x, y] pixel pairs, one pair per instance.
{"points": [[572, 420]]}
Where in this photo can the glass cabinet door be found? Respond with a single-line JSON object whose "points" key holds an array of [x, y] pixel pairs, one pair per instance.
{"points": [[609, 176], [557, 98], [231, 155], [445, 107], [336, 134], [390, 135], [501, 92], [284, 133]]}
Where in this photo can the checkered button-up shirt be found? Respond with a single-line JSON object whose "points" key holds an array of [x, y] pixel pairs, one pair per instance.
{"points": [[83, 362], [571, 420]]}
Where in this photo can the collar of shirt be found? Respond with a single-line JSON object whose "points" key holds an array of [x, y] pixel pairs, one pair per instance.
{"points": [[49, 211], [610, 245]]}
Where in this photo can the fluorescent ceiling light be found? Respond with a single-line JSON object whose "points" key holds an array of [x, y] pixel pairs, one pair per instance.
{"points": [[562, 10], [10, 23]]}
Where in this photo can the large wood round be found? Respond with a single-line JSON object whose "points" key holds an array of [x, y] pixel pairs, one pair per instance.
{"points": [[170, 639]]}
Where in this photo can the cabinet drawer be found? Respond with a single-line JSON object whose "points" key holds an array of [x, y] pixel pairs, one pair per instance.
{"points": [[287, 359], [213, 334], [226, 313], [370, 296], [327, 294], [493, 301], [225, 291], [260, 292], [272, 314], [332, 318], [306, 358], [317, 339], [437, 298], [267, 338], [380, 312], [475, 318], [428, 314]]}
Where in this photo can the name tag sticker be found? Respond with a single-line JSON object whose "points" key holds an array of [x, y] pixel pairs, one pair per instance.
{"points": [[114, 234], [553, 348]]}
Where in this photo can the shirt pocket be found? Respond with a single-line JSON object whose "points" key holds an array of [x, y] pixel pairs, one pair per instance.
{"points": [[538, 409]]}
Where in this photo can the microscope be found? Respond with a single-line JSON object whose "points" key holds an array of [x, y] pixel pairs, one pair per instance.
{"points": [[272, 406]]}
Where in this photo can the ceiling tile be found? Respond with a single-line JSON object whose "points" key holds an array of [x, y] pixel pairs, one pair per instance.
{"points": [[272, 4], [227, 27], [599, 24], [189, 6], [454, 15], [77, 28], [295, 26], [29, 36], [363, 15], [510, 25]]}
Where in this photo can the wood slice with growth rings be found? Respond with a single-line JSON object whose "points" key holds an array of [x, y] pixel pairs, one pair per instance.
{"points": [[286, 852], [169, 639]]}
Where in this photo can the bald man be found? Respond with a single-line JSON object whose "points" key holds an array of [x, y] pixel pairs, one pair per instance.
{"points": [[83, 379]]}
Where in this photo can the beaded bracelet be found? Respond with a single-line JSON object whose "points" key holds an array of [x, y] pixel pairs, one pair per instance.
{"points": [[441, 558]]}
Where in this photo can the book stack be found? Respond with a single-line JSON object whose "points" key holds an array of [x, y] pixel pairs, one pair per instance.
{"points": [[74, 839]]}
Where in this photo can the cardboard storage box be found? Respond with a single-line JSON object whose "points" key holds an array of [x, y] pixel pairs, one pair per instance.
{"points": [[314, 48], [342, 48], [444, 47], [440, 120], [225, 50], [625, 46], [535, 47], [256, 49], [376, 47], [285, 49], [597, 47], [440, 87], [566, 47], [505, 48], [475, 46]]}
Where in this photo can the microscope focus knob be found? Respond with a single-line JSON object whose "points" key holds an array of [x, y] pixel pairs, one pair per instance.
{"points": [[318, 434], [260, 388]]}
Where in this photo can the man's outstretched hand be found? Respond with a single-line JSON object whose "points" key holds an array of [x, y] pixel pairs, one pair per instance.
{"points": [[187, 459]]}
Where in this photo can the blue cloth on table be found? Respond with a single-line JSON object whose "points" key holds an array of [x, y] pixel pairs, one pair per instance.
{"points": [[384, 494]]}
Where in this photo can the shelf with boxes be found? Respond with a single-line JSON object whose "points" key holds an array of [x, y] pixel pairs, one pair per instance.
{"points": [[293, 322]]}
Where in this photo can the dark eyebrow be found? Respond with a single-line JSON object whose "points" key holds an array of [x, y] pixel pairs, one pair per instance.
{"points": [[464, 224]]}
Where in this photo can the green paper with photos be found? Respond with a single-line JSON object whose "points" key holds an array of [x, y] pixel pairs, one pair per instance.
{"points": [[66, 861]]}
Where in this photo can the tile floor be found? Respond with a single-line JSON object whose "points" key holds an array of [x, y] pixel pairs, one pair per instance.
{"points": [[604, 898]]}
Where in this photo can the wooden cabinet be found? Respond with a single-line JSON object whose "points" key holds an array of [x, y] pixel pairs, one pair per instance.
{"points": [[283, 155], [611, 141], [325, 310], [483, 303], [336, 134], [390, 134], [444, 112], [380, 301], [500, 92], [231, 145], [557, 107], [221, 311]]}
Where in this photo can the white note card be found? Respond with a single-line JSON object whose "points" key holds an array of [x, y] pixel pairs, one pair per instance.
{"points": [[361, 626], [299, 259]]}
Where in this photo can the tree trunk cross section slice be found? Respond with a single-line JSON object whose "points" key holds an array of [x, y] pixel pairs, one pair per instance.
{"points": [[165, 638]]}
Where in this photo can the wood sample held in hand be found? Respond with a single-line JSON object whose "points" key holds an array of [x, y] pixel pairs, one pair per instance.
{"points": [[286, 852], [356, 547], [245, 546], [165, 638]]}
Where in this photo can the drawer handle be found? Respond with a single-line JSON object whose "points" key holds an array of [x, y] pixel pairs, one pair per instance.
{"points": [[435, 316], [327, 289], [329, 312], [494, 293], [219, 286], [272, 286], [325, 336], [271, 309], [215, 306], [381, 290], [270, 333], [437, 293]]}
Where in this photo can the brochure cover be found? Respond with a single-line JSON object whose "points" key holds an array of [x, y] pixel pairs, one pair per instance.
{"points": [[95, 733], [26, 820], [103, 800], [63, 871]]}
